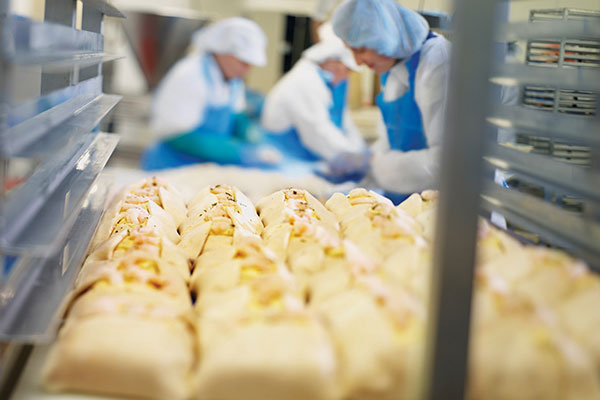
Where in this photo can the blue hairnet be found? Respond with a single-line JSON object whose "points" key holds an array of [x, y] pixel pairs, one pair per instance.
{"points": [[382, 25]]}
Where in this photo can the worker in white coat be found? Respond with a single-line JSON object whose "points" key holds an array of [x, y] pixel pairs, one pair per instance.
{"points": [[307, 111], [197, 110], [413, 63]]}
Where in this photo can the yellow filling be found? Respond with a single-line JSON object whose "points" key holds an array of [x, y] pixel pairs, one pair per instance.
{"points": [[148, 265], [218, 230], [274, 303], [543, 338], [145, 264], [250, 273], [126, 244], [335, 251], [123, 221], [103, 283]]}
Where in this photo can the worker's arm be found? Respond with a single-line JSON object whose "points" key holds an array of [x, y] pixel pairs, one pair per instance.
{"points": [[179, 101], [406, 172], [212, 146]]}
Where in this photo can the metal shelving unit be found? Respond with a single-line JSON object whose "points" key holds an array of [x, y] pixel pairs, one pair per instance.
{"points": [[570, 44], [51, 156], [474, 115]]}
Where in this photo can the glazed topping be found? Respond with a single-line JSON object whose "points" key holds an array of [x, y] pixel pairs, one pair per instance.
{"points": [[222, 226], [153, 182], [360, 196], [145, 194], [132, 218], [254, 260], [299, 213], [143, 238], [139, 271], [223, 189], [140, 263], [294, 194]]}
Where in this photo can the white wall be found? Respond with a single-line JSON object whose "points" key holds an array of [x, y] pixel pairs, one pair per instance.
{"points": [[220, 8], [264, 78]]}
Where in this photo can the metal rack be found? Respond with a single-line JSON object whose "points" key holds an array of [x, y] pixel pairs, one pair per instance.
{"points": [[566, 51], [51, 156], [470, 147]]}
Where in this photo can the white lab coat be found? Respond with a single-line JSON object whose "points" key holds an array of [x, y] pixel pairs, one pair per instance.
{"points": [[180, 101], [301, 99], [417, 170]]}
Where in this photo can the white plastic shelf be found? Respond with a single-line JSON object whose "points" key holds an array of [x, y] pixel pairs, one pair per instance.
{"points": [[33, 295], [56, 47], [40, 137], [83, 105], [37, 218]]}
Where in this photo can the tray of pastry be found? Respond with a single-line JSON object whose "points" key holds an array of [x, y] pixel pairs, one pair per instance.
{"points": [[293, 298]]}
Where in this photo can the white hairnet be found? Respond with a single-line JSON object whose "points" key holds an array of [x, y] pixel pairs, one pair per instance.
{"points": [[331, 49], [382, 25], [236, 36]]}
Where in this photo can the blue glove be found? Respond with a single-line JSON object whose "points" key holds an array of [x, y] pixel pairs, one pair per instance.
{"points": [[209, 146], [262, 155], [245, 129], [348, 163], [346, 167]]}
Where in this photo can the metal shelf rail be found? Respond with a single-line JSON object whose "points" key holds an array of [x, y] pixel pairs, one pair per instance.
{"points": [[473, 116], [51, 155]]}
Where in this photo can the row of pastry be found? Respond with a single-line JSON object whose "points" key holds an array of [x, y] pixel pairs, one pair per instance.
{"points": [[257, 337], [374, 327], [535, 315], [309, 300], [129, 329]]}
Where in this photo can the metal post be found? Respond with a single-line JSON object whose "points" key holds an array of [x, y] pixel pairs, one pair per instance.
{"points": [[91, 20], [460, 182], [62, 12], [4, 98]]}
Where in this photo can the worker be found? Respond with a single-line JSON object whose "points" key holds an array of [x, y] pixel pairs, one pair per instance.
{"points": [[197, 110], [413, 62], [307, 111]]}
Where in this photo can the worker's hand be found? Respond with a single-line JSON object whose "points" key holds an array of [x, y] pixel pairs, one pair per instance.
{"points": [[245, 129], [269, 155], [348, 163]]}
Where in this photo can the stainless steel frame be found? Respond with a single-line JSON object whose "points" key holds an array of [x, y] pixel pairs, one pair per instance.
{"points": [[470, 144], [47, 221]]}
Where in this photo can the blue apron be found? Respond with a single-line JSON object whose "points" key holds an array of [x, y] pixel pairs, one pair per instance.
{"points": [[217, 120], [402, 118], [289, 142]]}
